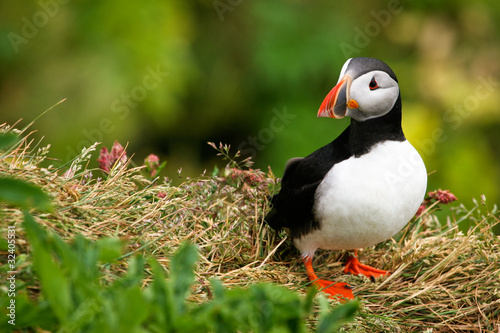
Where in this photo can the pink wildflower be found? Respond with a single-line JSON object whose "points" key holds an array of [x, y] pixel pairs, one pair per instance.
{"points": [[108, 159], [440, 196], [443, 196], [421, 209], [152, 163], [251, 177]]}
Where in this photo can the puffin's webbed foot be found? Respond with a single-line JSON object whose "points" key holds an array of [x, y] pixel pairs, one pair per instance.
{"points": [[337, 290], [353, 266]]}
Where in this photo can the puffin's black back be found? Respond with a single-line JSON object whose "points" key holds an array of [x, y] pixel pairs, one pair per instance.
{"points": [[292, 207]]}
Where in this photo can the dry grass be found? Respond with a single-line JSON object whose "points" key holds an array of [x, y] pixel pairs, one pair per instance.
{"points": [[442, 281]]}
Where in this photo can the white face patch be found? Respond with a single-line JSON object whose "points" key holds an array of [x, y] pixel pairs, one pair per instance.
{"points": [[373, 102], [344, 68]]}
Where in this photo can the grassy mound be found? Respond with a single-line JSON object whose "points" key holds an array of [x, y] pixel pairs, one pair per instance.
{"points": [[443, 279]]}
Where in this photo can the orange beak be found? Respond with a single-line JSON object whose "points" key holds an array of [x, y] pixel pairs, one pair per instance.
{"points": [[336, 102]]}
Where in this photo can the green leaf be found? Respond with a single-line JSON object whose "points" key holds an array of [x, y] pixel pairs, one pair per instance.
{"points": [[24, 195], [159, 299], [131, 309], [55, 285], [330, 321], [217, 289], [135, 272], [109, 249], [275, 308], [86, 309], [309, 300], [7, 140], [160, 168], [182, 274], [80, 264]]}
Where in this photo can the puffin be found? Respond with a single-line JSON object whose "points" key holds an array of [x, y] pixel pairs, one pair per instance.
{"points": [[361, 188]]}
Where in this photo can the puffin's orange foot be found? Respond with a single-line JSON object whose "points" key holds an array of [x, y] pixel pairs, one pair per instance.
{"points": [[340, 290], [337, 290], [353, 266]]}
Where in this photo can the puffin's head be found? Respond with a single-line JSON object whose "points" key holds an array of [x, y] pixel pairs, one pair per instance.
{"points": [[367, 88]]}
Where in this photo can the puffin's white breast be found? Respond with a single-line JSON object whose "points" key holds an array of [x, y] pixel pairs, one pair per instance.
{"points": [[365, 200]]}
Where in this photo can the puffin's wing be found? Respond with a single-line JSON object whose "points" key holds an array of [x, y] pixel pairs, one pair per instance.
{"points": [[292, 207]]}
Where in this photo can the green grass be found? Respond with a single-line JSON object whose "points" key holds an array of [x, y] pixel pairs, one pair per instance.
{"points": [[73, 298], [111, 250]]}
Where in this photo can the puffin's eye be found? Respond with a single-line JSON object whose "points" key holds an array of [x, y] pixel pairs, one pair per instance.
{"points": [[373, 84]]}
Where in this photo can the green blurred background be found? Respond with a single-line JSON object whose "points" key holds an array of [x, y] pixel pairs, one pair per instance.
{"points": [[168, 76]]}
